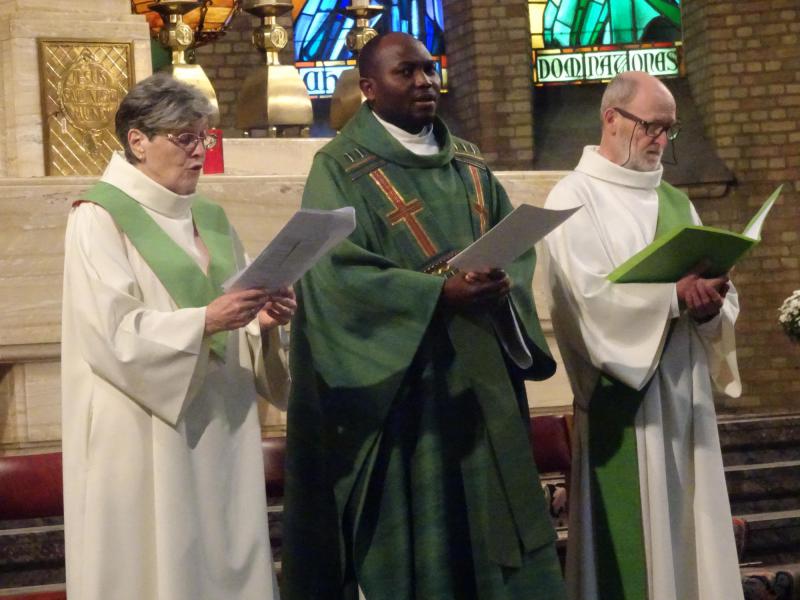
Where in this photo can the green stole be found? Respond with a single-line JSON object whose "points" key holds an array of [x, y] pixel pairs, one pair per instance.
{"points": [[182, 277], [621, 565], [517, 523]]}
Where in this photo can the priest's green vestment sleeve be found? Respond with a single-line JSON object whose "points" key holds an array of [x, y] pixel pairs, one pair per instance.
{"points": [[409, 469]]}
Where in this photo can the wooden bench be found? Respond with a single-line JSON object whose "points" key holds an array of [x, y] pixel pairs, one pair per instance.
{"points": [[42, 595], [550, 438], [30, 486], [31, 510]]}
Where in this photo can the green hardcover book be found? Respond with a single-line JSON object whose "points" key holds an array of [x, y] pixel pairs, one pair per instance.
{"points": [[674, 254]]}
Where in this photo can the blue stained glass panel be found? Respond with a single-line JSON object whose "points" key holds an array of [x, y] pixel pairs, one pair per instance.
{"points": [[321, 27]]}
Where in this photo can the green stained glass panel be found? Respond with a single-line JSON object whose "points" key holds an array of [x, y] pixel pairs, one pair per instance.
{"points": [[619, 25], [571, 23]]}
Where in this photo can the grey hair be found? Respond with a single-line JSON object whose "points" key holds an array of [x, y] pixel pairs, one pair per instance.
{"points": [[619, 92], [157, 104]]}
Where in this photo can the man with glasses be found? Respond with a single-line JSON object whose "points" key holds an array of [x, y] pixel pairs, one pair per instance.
{"points": [[649, 514]]}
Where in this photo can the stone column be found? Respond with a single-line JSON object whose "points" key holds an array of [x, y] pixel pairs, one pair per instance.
{"points": [[22, 22], [488, 46]]}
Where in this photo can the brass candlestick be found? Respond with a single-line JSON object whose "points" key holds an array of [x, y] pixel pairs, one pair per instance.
{"points": [[347, 96], [178, 37], [273, 96]]}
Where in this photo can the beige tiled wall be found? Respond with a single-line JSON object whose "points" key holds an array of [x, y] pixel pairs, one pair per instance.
{"points": [[32, 217]]}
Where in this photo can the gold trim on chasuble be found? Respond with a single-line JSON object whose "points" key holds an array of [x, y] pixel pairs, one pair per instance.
{"points": [[362, 164], [479, 207], [404, 212]]}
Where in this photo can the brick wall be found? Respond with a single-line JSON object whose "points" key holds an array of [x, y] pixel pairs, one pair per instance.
{"points": [[489, 64], [742, 63]]}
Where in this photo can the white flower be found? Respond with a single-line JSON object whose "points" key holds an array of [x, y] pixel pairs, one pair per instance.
{"points": [[789, 316]]}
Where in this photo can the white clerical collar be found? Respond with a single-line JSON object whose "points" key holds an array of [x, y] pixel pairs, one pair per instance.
{"points": [[422, 143], [147, 192], [594, 164]]}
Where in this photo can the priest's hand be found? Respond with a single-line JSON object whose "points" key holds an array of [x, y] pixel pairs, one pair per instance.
{"points": [[702, 297], [278, 310], [234, 309], [475, 289]]}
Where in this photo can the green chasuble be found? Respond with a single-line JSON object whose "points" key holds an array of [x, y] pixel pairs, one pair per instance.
{"points": [[613, 460], [409, 468]]}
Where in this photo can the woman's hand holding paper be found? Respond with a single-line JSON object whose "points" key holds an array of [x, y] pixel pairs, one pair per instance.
{"points": [[279, 309]]}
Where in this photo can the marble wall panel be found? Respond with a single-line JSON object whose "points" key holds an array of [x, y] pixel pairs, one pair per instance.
{"points": [[257, 206], [33, 214], [21, 24], [277, 156], [109, 8], [42, 402], [31, 258], [9, 419], [6, 87], [273, 420]]}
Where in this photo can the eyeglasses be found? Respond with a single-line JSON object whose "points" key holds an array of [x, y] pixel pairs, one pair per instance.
{"points": [[188, 141], [652, 130]]}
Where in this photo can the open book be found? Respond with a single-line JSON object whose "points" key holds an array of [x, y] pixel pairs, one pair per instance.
{"points": [[674, 254], [306, 238]]}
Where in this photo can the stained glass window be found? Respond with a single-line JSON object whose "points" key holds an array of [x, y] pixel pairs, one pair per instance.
{"points": [[578, 41], [321, 26]]}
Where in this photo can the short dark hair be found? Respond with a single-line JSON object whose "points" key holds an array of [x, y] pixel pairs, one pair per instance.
{"points": [[156, 104], [367, 58]]}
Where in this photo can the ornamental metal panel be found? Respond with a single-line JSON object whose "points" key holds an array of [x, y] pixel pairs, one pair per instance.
{"points": [[82, 84]]}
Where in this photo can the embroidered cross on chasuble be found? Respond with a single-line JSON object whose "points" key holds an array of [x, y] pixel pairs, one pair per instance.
{"points": [[405, 213], [410, 210], [419, 196]]}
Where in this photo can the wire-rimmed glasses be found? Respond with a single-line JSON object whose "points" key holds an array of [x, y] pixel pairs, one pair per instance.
{"points": [[188, 141]]}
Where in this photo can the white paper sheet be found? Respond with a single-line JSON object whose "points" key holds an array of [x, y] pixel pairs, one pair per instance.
{"points": [[514, 235], [306, 238]]}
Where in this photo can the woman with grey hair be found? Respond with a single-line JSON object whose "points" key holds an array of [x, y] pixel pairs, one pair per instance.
{"points": [[163, 474]]}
